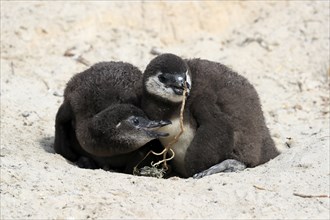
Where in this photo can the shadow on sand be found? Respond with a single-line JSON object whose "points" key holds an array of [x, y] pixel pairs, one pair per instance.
{"points": [[47, 143]]}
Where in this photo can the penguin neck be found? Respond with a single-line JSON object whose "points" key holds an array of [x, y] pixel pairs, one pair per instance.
{"points": [[158, 109]]}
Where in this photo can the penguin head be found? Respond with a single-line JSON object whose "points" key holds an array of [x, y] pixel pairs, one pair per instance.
{"points": [[165, 77], [123, 128], [139, 130]]}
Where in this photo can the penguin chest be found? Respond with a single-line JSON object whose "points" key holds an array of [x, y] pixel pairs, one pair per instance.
{"points": [[181, 146]]}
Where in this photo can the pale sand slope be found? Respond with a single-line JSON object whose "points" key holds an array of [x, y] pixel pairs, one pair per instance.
{"points": [[281, 47]]}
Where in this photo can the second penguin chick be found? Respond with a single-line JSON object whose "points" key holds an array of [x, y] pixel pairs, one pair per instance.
{"points": [[100, 117]]}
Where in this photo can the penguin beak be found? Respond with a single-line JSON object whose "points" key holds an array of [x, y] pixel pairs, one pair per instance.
{"points": [[156, 124], [178, 86], [150, 127]]}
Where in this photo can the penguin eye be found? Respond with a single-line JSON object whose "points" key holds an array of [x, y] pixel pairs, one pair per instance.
{"points": [[136, 121], [162, 78]]}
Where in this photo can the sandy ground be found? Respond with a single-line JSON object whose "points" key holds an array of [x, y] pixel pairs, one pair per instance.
{"points": [[281, 47]]}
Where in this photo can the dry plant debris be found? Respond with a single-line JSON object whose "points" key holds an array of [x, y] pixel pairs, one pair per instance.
{"points": [[311, 196], [296, 194], [154, 171]]}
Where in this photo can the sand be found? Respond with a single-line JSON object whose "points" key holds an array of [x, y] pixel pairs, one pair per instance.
{"points": [[281, 47]]}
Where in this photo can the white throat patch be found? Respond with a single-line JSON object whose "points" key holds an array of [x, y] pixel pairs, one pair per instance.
{"points": [[188, 79]]}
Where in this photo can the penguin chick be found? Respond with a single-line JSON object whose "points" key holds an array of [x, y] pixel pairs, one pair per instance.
{"points": [[223, 118], [99, 118], [118, 129]]}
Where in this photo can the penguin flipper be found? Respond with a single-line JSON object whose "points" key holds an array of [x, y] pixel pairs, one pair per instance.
{"points": [[225, 166], [63, 131]]}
